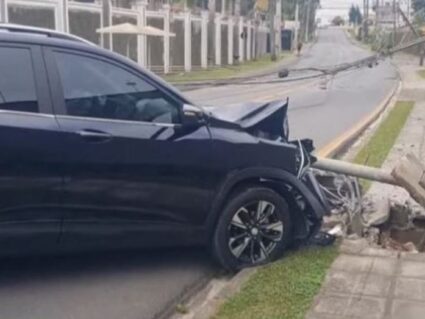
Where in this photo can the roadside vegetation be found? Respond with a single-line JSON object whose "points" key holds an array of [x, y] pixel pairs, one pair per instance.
{"points": [[242, 69], [377, 148], [284, 289], [421, 73]]}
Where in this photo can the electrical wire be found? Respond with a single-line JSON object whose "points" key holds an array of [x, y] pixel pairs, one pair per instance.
{"points": [[368, 61]]}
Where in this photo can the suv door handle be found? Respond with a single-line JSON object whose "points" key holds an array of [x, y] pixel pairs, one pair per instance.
{"points": [[95, 136]]}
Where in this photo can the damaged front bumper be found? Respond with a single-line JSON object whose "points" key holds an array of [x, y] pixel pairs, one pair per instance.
{"points": [[307, 198]]}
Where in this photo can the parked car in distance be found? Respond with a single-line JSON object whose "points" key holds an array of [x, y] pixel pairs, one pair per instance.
{"points": [[98, 153]]}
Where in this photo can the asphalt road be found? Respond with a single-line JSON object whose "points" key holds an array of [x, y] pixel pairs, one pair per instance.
{"points": [[322, 108], [141, 284]]}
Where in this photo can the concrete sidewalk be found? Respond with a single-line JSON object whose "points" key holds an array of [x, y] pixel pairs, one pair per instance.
{"points": [[366, 282]]}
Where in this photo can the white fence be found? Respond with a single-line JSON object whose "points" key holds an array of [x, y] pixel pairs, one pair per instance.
{"points": [[233, 38]]}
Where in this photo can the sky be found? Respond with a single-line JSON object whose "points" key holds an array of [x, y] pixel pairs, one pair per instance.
{"points": [[333, 8]]}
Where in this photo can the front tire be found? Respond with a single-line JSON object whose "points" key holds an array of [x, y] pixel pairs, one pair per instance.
{"points": [[254, 229]]}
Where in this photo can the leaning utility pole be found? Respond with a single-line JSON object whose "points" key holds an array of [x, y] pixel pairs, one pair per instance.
{"points": [[272, 15], [415, 32]]}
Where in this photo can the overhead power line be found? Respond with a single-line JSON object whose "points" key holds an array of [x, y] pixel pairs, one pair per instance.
{"points": [[318, 72]]}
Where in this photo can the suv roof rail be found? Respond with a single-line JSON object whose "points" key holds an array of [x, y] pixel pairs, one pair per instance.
{"points": [[41, 31]]}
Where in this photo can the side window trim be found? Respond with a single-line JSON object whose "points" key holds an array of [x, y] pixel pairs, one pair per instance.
{"points": [[57, 91], [55, 86], [41, 81]]}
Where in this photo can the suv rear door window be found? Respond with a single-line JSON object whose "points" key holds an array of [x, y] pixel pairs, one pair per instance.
{"points": [[98, 89], [17, 85]]}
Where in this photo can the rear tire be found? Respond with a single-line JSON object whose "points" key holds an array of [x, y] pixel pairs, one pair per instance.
{"points": [[254, 229]]}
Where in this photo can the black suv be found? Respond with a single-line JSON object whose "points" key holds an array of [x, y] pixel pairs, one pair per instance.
{"points": [[97, 153]]}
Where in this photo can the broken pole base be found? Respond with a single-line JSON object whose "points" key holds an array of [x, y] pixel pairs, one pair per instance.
{"points": [[409, 174]]}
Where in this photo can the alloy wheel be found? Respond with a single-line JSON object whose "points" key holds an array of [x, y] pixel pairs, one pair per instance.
{"points": [[254, 232]]}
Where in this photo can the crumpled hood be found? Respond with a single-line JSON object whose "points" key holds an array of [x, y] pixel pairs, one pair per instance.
{"points": [[268, 120]]}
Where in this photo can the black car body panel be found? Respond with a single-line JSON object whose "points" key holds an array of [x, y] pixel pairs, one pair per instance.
{"points": [[259, 119], [74, 182]]}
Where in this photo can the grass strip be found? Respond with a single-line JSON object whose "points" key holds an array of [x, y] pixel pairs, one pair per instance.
{"points": [[282, 290], [263, 62], [378, 147], [421, 73]]}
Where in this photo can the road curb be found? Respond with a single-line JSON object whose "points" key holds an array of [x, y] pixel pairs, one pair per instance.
{"points": [[170, 310], [345, 140], [205, 303]]}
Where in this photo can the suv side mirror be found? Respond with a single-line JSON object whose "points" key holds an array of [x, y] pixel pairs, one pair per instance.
{"points": [[192, 116]]}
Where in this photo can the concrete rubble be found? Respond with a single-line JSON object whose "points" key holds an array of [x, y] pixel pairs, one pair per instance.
{"points": [[390, 217], [391, 222]]}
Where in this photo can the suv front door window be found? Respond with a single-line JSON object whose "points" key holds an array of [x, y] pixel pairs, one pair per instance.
{"points": [[97, 89]]}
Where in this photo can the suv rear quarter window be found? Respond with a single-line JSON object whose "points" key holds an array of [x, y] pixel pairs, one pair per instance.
{"points": [[17, 85]]}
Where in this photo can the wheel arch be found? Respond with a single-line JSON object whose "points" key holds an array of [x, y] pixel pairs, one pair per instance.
{"points": [[268, 177]]}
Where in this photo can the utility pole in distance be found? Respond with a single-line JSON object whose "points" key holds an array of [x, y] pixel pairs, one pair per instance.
{"points": [[272, 14], [367, 19], [307, 21], [365, 22], [394, 23], [297, 24]]}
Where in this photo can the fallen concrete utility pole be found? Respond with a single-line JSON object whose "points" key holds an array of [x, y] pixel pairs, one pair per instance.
{"points": [[409, 173], [361, 171]]}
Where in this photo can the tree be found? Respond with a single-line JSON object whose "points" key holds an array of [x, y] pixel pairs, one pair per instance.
{"points": [[354, 15], [338, 21], [359, 16], [418, 5]]}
